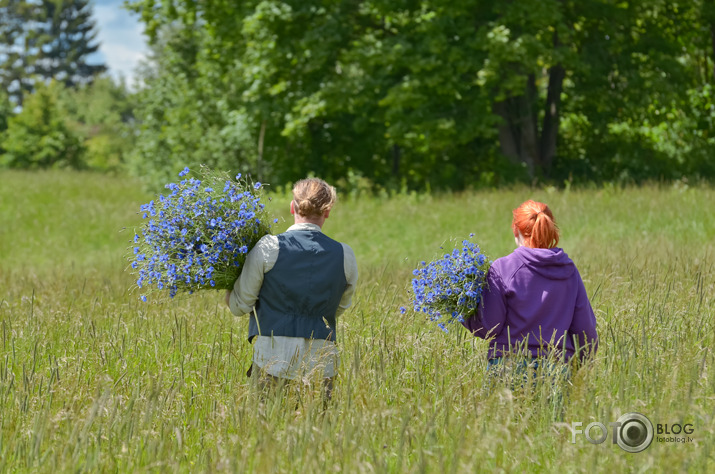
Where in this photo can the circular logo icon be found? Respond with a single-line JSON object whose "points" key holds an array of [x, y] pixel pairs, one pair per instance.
{"points": [[635, 432]]}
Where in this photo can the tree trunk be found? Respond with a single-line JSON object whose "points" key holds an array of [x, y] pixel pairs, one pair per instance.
{"points": [[507, 135], [530, 127], [552, 118], [519, 131], [712, 36], [396, 152], [261, 138]]}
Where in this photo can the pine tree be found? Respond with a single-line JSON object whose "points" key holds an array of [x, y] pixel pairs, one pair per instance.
{"points": [[44, 40], [19, 20], [69, 37]]}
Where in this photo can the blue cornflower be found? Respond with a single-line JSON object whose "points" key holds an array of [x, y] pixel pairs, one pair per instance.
{"points": [[450, 287], [193, 241]]}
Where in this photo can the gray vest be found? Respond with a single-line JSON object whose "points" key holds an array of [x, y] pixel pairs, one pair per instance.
{"points": [[301, 293]]}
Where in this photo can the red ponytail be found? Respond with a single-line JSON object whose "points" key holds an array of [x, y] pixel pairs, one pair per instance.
{"points": [[536, 224]]}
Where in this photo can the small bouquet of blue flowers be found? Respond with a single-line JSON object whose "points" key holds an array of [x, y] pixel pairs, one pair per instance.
{"points": [[198, 235], [450, 288]]}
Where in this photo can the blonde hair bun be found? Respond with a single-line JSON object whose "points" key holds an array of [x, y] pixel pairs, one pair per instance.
{"points": [[313, 197]]}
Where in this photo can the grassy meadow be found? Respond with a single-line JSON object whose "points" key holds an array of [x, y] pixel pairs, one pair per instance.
{"points": [[94, 380]]}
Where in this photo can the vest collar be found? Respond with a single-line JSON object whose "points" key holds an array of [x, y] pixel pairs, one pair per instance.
{"points": [[305, 226]]}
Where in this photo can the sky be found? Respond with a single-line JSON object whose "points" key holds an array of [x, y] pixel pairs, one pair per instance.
{"points": [[122, 43]]}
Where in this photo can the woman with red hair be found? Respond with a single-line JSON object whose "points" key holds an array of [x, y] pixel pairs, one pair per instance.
{"points": [[536, 306]]}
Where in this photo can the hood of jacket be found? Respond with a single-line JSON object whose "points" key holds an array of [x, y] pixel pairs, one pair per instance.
{"points": [[553, 263]]}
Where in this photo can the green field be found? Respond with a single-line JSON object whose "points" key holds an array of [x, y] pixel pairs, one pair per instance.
{"points": [[93, 380]]}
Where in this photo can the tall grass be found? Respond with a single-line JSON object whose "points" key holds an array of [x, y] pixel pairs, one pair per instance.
{"points": [[91, 379]]}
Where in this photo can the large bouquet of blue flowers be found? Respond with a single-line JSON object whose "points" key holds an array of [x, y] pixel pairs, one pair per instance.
{"points": [[198, 235], [450, 288]]}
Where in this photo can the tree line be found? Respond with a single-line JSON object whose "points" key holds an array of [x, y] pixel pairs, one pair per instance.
{"points": [[393, 93], [56, 108]]}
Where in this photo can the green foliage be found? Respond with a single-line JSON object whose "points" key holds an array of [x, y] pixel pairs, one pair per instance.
{"points": [[51, 40], [102, 112], [5, 114], [701, 132], [92, 380], [428, 94], [650, 59], [39, 136], [189, 114], [407, 95], [89, 126]]}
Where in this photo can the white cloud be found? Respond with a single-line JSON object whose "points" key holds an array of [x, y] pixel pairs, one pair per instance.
{"points": [[122, 42]]}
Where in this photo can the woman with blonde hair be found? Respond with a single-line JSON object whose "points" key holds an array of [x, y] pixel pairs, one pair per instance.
{"points": [[295, 285], [536, 306]]}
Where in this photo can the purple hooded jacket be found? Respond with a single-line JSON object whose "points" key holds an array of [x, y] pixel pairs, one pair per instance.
{"points": [[536, 294]]}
